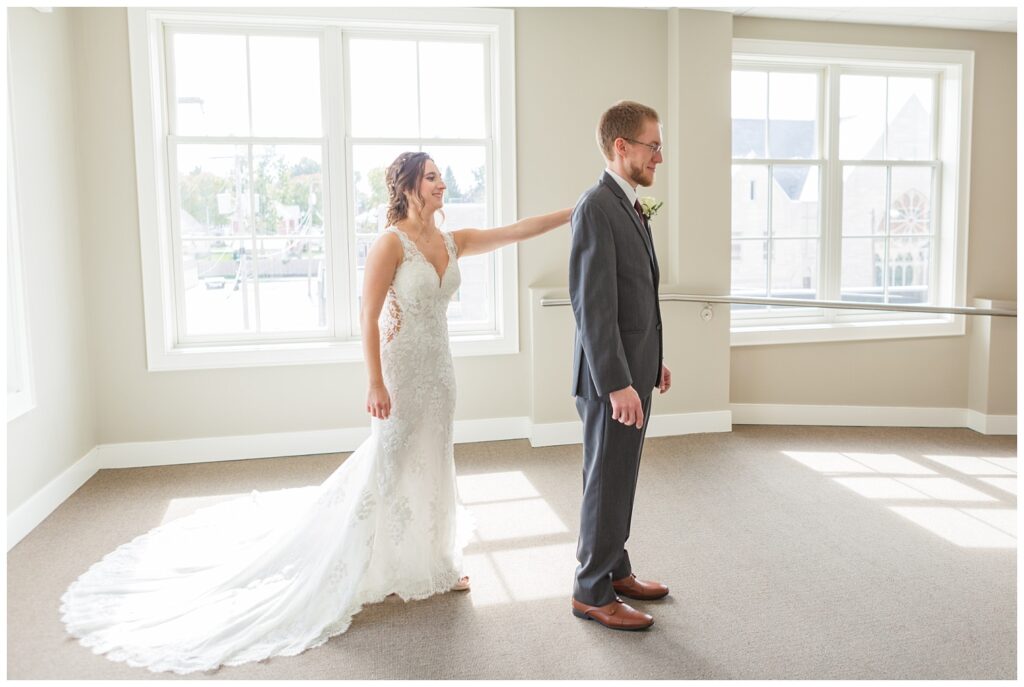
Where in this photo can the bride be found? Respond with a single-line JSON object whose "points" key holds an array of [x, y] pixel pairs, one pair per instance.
{"points": [[276, 573]]}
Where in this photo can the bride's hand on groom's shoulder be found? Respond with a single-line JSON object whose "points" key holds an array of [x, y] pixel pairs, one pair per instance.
{"points": [[378, 401]]}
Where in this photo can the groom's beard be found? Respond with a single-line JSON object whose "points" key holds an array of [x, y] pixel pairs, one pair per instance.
{"points": [[640, 175]]}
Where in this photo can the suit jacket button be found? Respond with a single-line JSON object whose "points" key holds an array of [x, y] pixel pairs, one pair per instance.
{"points": [[659, 326]]}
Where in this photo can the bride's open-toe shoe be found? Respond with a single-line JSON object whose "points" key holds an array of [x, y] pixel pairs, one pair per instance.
{"points": [[462, 585]]}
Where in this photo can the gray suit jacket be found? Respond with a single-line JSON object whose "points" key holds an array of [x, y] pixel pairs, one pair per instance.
{"points": [[613, 286]]}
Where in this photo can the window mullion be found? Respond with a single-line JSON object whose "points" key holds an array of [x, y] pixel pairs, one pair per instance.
{"points": [[888, 231], [252, 264], [408, 141], [885, 126], [935, 269], [175, 249], [337, 189], [419, 101], [770, 234], [768, 121], [246, 140], [496, 261], [170, 117], [832, 264]]}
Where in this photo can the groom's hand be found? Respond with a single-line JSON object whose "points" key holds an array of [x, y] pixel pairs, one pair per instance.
{"points": [[665, 383], [626, 407]]}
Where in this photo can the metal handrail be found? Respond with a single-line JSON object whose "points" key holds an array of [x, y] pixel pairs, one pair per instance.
{"points": [[802, 303]]}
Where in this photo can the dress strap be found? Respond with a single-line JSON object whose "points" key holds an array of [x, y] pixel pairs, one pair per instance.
{"points": [[449, 241], [401, 235], [408, 245]]}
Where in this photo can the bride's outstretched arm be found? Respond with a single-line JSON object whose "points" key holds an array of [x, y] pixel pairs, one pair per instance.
{"points": [[381, 263], [476, 241]]}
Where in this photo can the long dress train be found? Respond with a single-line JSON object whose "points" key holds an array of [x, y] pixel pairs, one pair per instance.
{"points": [[276, 573]]}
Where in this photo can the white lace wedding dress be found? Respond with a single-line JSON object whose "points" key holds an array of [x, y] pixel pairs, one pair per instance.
{"points": [[276, 573]]}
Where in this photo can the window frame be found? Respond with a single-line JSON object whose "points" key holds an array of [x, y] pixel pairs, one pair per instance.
{"points": [[951, 146], [166, 347], [458, 331], [198, 341]]}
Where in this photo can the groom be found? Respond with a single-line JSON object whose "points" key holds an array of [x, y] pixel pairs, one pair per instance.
{"points": [[613, 286]]}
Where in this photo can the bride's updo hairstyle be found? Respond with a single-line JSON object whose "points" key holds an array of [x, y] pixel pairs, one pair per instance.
{"points": [[403, 176]]}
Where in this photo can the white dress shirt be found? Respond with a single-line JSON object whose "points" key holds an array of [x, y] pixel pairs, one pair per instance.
{"points": [[627, 188]]}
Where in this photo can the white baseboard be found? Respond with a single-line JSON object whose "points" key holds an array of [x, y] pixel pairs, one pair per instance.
{"points": [[495, 429], [212, 449], [561, 433], [992, 424], [871, 416], [690, 423], [242, 447], [846, 416], [28, 515], [556, 433]]}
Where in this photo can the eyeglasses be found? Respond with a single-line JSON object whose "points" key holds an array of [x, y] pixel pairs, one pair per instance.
{"points": [[655, 147]]}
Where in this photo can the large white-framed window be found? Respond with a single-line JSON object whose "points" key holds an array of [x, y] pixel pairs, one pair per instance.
{"points": [[261, 142], [849, 182], [20, 383]]}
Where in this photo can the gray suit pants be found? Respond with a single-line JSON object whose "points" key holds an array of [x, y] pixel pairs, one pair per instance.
{"points": [[611, 461]]}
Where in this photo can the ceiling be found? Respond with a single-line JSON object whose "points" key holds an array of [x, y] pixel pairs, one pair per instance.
{"points": [[975, 19]]}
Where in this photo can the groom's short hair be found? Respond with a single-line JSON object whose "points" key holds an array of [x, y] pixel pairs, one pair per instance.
{"points": [[624, 119]]}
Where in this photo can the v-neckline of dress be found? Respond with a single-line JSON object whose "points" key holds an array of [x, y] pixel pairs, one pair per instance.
{"points": [[448, 263]]}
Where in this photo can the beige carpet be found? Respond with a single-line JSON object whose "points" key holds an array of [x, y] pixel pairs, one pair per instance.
{"points": [[791, 552]]}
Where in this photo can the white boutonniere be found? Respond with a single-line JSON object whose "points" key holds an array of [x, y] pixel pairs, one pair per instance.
{"points": [[650, 206]]}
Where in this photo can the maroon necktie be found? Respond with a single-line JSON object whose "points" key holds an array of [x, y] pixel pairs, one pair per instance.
{"points": [[643, 220], [639, 210]]}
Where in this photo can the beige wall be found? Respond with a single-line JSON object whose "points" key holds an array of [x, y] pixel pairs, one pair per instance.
{"points": [[60, 429], [910, 372], [566, 74], [992, 385]]}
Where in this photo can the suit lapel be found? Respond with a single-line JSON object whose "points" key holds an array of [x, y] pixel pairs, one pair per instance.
{"points": [[645, 235], [650, 243]]}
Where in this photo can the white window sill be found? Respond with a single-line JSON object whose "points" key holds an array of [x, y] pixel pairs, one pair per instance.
{"points": [[306, 353], [758, 335]]}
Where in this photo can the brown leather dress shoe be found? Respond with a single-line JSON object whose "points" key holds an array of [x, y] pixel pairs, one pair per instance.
{"points": [[616, 615], [639, 589]]}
